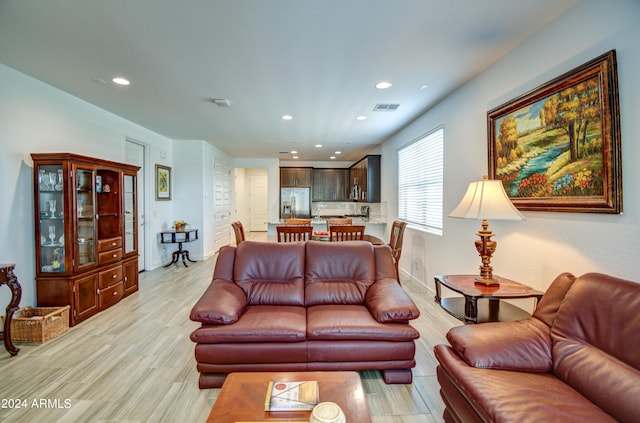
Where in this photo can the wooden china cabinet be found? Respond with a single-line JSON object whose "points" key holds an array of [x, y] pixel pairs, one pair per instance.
{"points": [[85, 232]]}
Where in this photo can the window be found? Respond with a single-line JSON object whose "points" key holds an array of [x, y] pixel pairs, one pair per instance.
{"points": [[420, 182]]}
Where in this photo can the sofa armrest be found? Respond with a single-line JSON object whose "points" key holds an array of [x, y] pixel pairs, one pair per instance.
{"points": [[388, 302], [222, 303], [523, 345]]}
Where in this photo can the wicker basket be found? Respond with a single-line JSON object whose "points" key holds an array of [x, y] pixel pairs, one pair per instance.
{"points": [[38, 324]]}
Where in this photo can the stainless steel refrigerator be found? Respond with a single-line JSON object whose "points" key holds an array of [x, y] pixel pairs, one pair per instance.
{"points": [[295, 202]]}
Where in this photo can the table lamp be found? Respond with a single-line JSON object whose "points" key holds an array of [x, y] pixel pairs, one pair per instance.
{"points": [[486, 200]]}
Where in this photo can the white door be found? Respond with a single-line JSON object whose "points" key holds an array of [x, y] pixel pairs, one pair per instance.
{"points": [[258, 204], [222, 202], [135, 155]]}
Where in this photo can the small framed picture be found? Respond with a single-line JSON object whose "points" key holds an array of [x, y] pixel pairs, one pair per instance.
{"points": [[163, 182]]}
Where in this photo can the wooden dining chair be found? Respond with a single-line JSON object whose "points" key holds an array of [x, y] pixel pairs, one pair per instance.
{"points": [[297, 221], [294, 233], [335, 221], [239, 231], [346, 232], [395, 242]]}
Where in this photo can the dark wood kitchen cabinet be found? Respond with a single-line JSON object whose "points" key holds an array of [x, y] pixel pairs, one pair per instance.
{"points": [[366, 174], [292, 177], [330, 185], [85, 232]]}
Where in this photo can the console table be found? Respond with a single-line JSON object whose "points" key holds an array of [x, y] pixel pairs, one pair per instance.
{"points": [[469, 310], [9, 278], [176, 237]]}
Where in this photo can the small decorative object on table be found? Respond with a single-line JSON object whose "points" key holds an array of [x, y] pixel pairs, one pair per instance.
{"points": [[180, 225], [327, 412], [291, 396], [321, 235]]}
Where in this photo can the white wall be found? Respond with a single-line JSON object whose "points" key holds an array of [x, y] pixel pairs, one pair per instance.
{"points": [[538, 249], [37, 118], [193, 181]]}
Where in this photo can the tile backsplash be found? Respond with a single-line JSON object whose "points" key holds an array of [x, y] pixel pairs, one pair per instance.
{"points": [[351, 208]]}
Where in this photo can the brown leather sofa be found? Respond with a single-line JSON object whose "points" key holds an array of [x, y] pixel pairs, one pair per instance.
{"points": [[577, 359], [304, 306]]}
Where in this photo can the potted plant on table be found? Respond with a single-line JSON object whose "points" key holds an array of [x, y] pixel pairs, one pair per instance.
{"points": [[180, 225]]}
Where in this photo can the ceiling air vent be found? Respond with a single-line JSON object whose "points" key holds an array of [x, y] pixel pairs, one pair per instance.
{"points": [[386, 107]]}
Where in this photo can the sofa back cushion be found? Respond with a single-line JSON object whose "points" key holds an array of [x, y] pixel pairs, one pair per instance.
{"points": [[338, 272], [596, 346], [270, 273]]}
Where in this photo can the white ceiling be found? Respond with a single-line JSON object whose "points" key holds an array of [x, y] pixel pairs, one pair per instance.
{"points": [[315, 60]]}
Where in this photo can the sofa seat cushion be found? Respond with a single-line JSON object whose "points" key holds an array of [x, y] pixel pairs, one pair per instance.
{"points": [[347, 351], [217, 357], [258, 324], [518, 397], [353, 322]]}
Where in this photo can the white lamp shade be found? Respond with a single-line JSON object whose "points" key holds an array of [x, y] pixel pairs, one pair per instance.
{"points": [[488, 200]]}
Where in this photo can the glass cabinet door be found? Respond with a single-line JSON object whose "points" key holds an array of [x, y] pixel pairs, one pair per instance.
{"points": [[86, 227], [51, 217], [130, 218]]}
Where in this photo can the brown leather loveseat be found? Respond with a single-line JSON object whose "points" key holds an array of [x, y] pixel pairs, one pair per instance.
{"points": [[577, 359], [304, 306]]}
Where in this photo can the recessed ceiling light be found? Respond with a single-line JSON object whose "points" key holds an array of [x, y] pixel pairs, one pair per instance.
{"points": [[120, 81], [295, 157], [294, 152], [361, 117], [338, 152], [424, 86], [318, 145], [287, 117], [383, 85], [332, 157]]}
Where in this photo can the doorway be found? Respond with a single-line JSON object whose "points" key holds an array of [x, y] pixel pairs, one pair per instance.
{"points": [[252, 198], [258, 203], [135, 154]]}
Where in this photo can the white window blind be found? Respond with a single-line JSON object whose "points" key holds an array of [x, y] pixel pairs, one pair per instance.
{"points": [[421, 182]]}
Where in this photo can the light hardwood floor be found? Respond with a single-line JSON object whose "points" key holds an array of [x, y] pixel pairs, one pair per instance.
{"points": [[134, 362]]}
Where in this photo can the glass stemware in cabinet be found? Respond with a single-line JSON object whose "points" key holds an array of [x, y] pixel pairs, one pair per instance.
{"points": [[52, 208], [53, 178], [58, 186], [43, 181], [52, 234], [80, 207]]}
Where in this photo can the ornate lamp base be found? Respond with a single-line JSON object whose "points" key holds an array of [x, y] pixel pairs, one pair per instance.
{"points": [[486, 247]]}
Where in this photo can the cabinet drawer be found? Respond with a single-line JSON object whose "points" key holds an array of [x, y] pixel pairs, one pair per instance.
{"points": [[109, 244], [109, 296], [109, 277], [110, 256]]}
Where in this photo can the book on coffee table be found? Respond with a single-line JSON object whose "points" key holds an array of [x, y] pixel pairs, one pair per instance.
{"points": [[291, 396]]}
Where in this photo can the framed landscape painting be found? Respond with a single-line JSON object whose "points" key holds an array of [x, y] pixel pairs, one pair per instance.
{"points": [[557, 148]]}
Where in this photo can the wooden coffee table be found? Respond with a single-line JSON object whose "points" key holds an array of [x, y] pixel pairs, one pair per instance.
{"points": [[242, 396]]}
